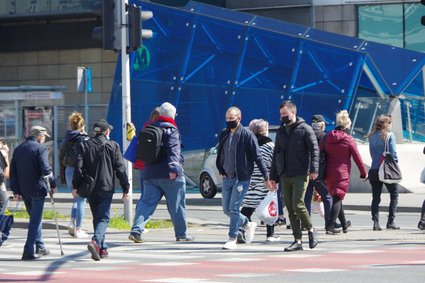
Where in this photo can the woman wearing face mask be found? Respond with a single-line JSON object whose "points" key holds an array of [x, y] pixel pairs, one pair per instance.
{"points": [[381, 132], [339, 148]]}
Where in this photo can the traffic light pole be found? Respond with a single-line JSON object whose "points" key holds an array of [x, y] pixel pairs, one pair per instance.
{"points": [[126, 107]]}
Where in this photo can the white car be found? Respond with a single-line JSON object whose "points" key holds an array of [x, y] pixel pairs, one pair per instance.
{"points": [[210, 181]]}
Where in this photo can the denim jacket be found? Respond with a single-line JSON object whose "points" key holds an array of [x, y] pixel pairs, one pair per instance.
{"points": [[376, 148]]}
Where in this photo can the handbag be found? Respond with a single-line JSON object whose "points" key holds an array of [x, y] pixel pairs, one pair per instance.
{"points": [[6, 223], [86, 186], [322, 161], [267, 209], [389, 171], [131, 153]]}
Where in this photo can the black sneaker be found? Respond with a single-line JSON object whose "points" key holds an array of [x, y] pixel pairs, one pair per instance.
{"points": [[240, 239], [187, 238], [312, 239], [135, 237], [42, 251], [295, 246], [421, 225], [346, 226], [280, 221]]}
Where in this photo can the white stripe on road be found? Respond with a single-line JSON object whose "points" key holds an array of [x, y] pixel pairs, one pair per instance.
{"points": [[171, 263], [33, 273], [316, 270], [357, 252], [181, 280], [247, 275]]}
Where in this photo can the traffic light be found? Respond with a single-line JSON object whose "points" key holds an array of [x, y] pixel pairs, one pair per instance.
{"points": [[423, 17], [109, 32], [137, 33]]}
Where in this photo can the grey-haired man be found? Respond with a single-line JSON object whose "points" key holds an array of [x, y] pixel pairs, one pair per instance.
{"points": [[29, 170]]}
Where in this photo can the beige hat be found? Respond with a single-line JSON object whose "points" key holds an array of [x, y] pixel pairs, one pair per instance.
{"points": [[38, 130], [167, 110]]}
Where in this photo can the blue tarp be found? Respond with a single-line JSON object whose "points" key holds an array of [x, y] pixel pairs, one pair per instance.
{"points": [[204, 59]]}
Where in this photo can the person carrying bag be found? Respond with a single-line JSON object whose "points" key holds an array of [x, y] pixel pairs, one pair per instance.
{"points": [[382, 142]]}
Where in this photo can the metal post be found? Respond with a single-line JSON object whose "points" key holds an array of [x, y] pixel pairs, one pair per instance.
{"points": [[373, 117], [86, 99], [126, 107], [55, 141], [409, 122], [359, 106]]}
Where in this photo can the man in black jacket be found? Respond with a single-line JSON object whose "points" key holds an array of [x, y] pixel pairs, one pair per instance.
{"points": [[236, 153], [295, 161], [100, 158]]}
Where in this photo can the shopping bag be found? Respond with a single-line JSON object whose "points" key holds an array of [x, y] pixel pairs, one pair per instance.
{"points": [[6, 223], [267, 209], [389, 172], [130, 153], [423, 176]]}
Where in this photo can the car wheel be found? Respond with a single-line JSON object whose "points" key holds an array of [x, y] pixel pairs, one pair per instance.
{"points": [[207, 186]]}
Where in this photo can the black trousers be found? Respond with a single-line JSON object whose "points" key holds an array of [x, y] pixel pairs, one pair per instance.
{"points": [[249, 211], [376, 195]]}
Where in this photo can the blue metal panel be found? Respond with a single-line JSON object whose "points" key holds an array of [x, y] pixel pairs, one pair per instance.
{"points": [[205, 58]]}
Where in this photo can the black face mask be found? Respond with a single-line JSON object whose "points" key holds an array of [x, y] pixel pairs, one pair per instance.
{"points": [[231, 124], [285, 120]]}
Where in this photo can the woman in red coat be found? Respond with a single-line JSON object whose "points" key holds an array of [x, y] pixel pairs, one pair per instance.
{"points": [[339, 147]]}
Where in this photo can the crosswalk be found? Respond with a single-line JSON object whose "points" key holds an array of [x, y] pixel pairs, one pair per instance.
{"points": [[161, 259]]}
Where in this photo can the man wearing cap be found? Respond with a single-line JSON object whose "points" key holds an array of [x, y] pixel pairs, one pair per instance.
{"points": [[164, 178], [29, 170], [101, 159], [318, 123]]}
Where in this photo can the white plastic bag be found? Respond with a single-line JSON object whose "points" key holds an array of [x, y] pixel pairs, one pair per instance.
{"points": [[267, 209], [423, 176]]}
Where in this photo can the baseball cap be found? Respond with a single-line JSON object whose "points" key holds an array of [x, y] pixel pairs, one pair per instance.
{"points": [[102, 126], [38, 130], [318, 118]]}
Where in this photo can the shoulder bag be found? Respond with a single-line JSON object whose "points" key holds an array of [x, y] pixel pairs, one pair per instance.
{"points": [[389, 171]]}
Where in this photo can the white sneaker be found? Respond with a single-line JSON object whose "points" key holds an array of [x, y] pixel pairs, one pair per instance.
{"points": [[230, 245], [273, 238], [80, 234], [250, 231]]}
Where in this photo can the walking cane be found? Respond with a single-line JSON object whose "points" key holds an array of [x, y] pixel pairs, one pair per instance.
{"points": [[54, 209]]}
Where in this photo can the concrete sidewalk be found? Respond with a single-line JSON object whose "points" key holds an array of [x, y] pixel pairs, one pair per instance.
{"points": [[408, 202]]}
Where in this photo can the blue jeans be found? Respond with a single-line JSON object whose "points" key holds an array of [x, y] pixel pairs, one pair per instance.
{"points": [[175, 196], [139, 202], [77, 209], [232, 195], [34, 206], [324, 194], [100, 205]]}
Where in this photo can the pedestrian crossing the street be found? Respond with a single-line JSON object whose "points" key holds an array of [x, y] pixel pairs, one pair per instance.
{"points": [[163, 260]]}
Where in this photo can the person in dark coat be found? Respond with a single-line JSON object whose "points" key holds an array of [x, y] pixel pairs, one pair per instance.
{"points": [[340, 147], [318, 124], [237, 151], [295, 162], [100, 158], [164, 178], [29, 173]]}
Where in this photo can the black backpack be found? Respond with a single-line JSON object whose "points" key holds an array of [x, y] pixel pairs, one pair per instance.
{"points": [[69, 152], [149, 146]]}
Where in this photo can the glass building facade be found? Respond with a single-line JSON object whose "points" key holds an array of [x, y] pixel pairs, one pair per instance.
{"points": [[394, 24]]}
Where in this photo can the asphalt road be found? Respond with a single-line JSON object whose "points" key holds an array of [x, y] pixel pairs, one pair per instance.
{"points": [[361, 255]]}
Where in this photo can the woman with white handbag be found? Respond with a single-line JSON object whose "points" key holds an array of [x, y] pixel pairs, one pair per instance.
{"points": [[378, 137]]}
